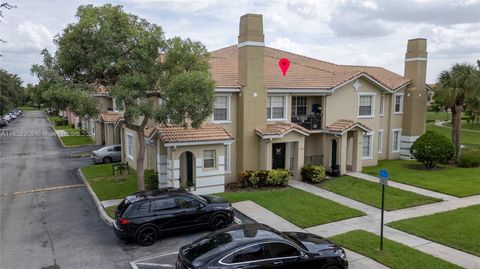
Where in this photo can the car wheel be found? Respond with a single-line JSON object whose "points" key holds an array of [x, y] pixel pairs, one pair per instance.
{"points": [[147, 235], [218, 222], [107, 160]]}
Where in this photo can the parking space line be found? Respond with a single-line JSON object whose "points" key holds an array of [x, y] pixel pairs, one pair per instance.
{"points": [[46, 189], [134, 266], [141, 261], [155, 264]]}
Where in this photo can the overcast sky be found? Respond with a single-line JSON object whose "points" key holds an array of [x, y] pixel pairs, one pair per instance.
{"points": [[343, 32]]}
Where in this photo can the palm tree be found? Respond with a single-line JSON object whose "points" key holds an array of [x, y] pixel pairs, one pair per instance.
{"points": [[455, 87]]}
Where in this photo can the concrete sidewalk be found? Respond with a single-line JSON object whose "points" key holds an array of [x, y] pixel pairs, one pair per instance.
{"points": [[371, 222], [262, 215]]}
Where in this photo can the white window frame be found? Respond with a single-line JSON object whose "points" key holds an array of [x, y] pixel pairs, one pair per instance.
{"points": [[227, 157], [114, 105], [395, 103], [285, 107], [128, 151], [399, 139], [229, 105], [214, 159], [380, 141], [370, 156], [372, 115], [382, 105]]}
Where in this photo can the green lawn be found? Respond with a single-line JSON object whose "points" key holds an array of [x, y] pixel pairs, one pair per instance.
{"points": [[466, 137], [111, 211], [432, 116], [105, 185], [370, 193], [63, 127], [393, 255], [299, 207], [466, 126], [459, 228], [52, 119], [70, 141], [456, 181]]}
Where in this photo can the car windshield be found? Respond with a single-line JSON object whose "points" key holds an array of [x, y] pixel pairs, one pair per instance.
{"points": [[200, 198], [295, 240]]}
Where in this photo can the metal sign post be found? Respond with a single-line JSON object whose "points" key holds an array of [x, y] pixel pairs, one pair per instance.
{"points": [[384, 181]]}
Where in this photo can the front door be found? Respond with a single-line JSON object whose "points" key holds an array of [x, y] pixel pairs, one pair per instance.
{"points": [[278, 156], [189, 169]]}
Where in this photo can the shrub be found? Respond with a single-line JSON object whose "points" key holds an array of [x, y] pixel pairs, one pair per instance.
{"points": [[432, 148], [259, 178], [313, 173], [60, 122], [151, 179], [469, 157], [277, 177], [243, 178]]}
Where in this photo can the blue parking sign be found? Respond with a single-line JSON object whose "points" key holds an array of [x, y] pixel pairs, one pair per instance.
{"points": [[383, 177], [384, 174]]}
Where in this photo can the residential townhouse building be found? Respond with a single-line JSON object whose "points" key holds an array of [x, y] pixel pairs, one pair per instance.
{"points": [[340, 116], [103, 128]]}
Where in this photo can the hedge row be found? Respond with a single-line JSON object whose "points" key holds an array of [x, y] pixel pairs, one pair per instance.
{"points": [[259, 178]]}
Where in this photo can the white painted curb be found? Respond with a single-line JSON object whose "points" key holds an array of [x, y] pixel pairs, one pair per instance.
{"points": [[103, 214]]}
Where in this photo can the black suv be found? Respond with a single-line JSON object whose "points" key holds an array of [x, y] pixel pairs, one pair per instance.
{"points": [[260, 246], [142, 216]]}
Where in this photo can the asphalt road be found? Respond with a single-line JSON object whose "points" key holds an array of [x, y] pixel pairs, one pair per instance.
{"points": [[59, 228]]}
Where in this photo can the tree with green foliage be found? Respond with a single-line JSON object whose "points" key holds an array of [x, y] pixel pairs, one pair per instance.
{"points": [[61, 93], [34, 95], [456, 88], [12, 91], [432, 148], [133, 60]]}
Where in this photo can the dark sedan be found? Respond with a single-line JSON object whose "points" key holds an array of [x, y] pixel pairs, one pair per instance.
{"points": [[143, 216], [260, 246]]}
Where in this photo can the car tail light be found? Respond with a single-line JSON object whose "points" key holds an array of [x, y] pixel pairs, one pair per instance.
{"points": [[123, 221]]}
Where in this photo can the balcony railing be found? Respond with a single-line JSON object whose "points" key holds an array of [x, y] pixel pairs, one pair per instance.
{"points": [[311, 121], [313, 160]]}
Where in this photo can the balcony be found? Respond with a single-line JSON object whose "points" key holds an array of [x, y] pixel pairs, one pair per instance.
{"points": [[311, 121]]}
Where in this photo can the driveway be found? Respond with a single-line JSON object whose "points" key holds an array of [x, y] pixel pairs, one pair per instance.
{"points": [[43, 227]]}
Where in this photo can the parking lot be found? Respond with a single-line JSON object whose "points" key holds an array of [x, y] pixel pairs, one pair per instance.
{"points": [[39, 186]]}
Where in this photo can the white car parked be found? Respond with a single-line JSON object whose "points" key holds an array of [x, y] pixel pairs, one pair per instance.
{"points": [[7, 117]]}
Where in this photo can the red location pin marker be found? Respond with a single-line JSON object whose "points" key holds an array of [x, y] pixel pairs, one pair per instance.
{"points": [[284, 64]]}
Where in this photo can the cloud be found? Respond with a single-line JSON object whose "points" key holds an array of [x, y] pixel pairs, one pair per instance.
{"points": [[29, 36], [284, 43], [344, 32]]}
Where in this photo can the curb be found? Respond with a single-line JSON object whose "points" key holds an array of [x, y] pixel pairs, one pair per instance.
{"points": [[103, 214], [61, 142]]}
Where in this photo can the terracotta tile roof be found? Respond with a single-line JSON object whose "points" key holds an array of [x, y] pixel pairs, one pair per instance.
{"points": [[206, 133], [110, 116], [280, 129], [341, 126], [100, 89], [304, 72]]}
